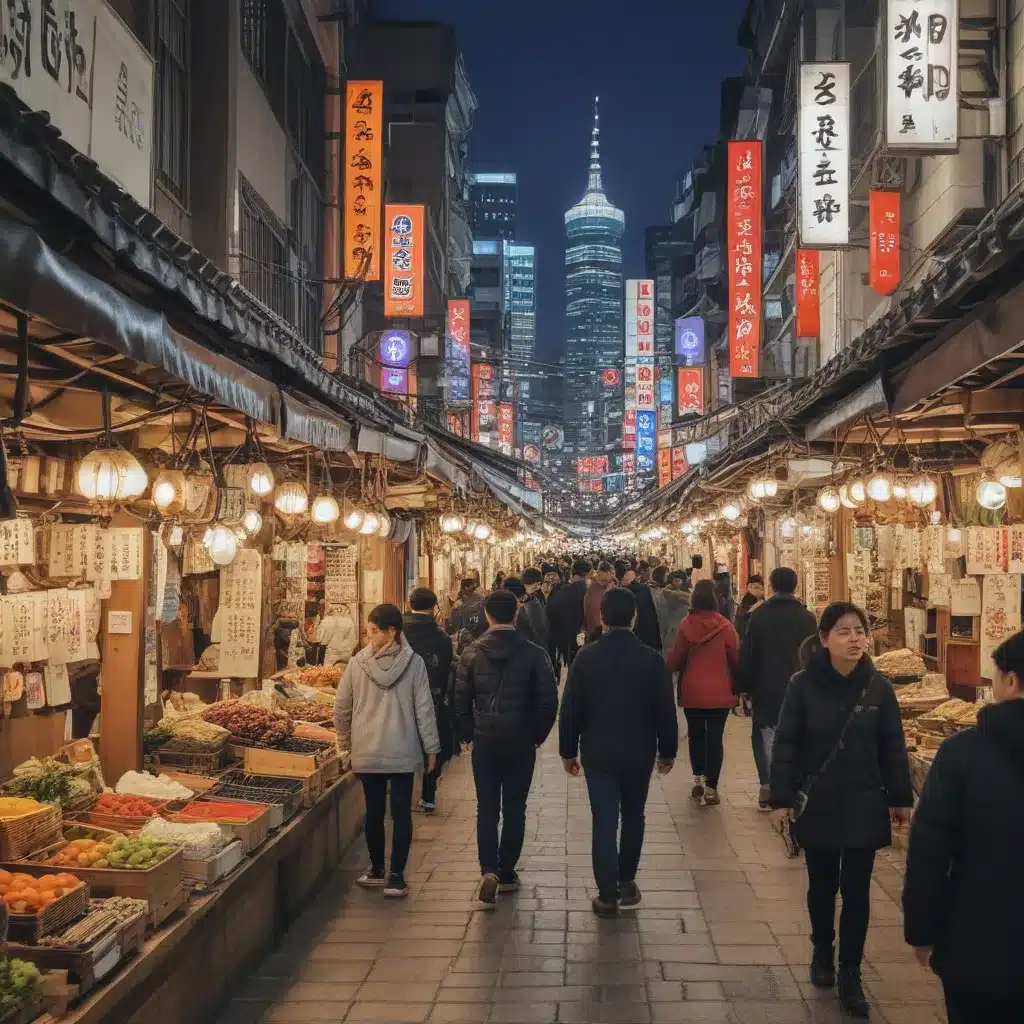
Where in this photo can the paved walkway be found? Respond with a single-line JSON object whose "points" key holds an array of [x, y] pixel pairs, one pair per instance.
{"points": [[721, 935]]}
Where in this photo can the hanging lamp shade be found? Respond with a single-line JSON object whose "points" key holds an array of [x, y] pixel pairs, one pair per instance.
{"points": [[168, 491], [991, 494], [252, 522], [451, 522], [371, 524], [291, 499], [325, 510], [922, 490], [829, 500], [879, 486], [482, 531], [261, 479], [353, 518], [384, 529], [111, 474], [221, 542]]}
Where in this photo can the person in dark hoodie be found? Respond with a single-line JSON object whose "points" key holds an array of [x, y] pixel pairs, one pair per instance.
{"points": [[839, 778], [705, 655], [752, 597], [618, 712], [434, 646], [565, 611], [505, 705], [769, 657], [535, 606], [963, 894], [648, 626], [670, 602], [467, 621]]}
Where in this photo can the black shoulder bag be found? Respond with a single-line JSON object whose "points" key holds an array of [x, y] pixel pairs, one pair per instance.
{"points": [[804, 792]]}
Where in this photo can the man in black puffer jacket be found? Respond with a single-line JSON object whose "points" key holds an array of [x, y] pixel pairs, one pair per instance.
{"points": [[505, 705], [434, 646], [963, 893]]}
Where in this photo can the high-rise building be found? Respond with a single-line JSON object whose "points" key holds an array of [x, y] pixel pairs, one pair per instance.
{"points": [[594, 314], [492, 206], [521, 299]]}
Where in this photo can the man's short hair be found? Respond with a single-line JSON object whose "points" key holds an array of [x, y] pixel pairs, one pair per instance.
{"points": [[1009, 655], [501, 606], [783, 580], [422, 599], [660, 575], [548, 567], [621, 568], [618, 607], [514, 585], [697, 562], [605, 567], [756, 578], [580, 568], [532, 575], [678, 574]]}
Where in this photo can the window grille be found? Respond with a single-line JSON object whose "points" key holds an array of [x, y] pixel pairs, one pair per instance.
{"points": [[173, 123], [1015, 106], [263, 256]]}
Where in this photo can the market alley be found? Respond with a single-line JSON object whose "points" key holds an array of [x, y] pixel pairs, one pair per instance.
{"points": [[721, 935]]}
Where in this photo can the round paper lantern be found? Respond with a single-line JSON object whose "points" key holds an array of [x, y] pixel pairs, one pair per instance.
{"points": [[325, 510], [111, 474], [261, 479], [222, 544], [291, 499]]}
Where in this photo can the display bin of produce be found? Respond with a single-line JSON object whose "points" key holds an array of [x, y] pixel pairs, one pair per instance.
{"points": [[160, 885], [122, 813], [265, 761], [22, 835], [250, 822], [171, 756], [263, 789], [48, 913], [274, 811], [201, 873], [331, 767], [920, 763]]}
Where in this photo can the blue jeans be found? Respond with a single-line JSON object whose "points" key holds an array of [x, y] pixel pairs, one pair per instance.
{"points": [[762, 739], [622, 795], [503, 781]]}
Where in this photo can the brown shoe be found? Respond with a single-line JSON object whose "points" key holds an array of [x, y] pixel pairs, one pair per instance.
{"points": [[629, 894], [605, 908], [711, 797]]}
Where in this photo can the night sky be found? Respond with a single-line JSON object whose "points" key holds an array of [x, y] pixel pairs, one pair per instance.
{"points": [[536, 66]]}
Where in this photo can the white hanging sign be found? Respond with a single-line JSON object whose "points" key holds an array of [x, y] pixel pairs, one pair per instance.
{"points": [[922, 106], [823, 130]]}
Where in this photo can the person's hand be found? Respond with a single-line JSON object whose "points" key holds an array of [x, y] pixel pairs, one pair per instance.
{"points": [[923, 955], [900, 816], [571, 766], [664, 767], [780, 817], [431, 762]]}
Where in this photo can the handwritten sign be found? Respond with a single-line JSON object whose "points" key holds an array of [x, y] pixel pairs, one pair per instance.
{"points": [[17, 542], [1000, 615]]}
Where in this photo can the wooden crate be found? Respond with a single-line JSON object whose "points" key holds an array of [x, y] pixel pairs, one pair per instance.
{"points": [[250, 833], [331, 768], [161, 886], [30, 928], [30, 832], [266, 761]]}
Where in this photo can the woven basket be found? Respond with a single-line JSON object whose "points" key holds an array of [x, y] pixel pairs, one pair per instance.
{"points": [[30, 832]]}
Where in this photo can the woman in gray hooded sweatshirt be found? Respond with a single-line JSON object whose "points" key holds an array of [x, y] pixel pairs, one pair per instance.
{"points": [[384, 715]]}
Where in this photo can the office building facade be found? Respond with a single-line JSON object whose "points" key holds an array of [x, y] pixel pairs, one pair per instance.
{"points": [[492, 204]]}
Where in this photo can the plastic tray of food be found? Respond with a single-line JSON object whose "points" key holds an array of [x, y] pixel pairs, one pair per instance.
{"points": [[262, 789]]}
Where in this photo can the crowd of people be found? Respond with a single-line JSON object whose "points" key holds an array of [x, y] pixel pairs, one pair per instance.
{"points": [[636, 639]]}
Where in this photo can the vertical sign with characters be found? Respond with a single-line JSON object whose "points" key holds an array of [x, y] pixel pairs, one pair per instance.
{"points": [[364, 158], [646, 431], [808, 306], [457, 351], [884, 252], [745, 253], [403, 272], [824, 162], [691, 390]]}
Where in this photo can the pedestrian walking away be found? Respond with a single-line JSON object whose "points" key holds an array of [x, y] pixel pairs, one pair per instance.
{"points": [[603, 581], [769, 657], [839, 777], [565, 612], [671, 603], [434, 646], [617, 719], [506, 701], [705, 656], [384, 716], [752, 598], [963, 893], [648, 626]]}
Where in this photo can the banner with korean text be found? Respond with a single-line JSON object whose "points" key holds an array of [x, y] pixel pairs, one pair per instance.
{"points": [[808, 306], [884, 247], [823, 130], [745, 254], [364, 161], [456, 354], [690, 385], [403, 272]]}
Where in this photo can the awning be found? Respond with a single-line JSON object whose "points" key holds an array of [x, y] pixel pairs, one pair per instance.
{"points": [[307, 420], [373, 442], [439, 465], [43, 283]]}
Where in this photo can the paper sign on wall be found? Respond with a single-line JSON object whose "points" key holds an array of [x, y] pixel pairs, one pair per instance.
{"points": [[1000, 615], [965, 597]]}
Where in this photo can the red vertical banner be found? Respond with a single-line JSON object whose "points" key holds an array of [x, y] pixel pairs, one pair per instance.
{"points": [[690, 385], [457, 351], [664, 466], [679, 463], [745, 255], [485, 410], [506, 426], [808, 307], [884, 222]]}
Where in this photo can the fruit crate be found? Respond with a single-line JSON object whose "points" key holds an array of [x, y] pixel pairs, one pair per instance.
{"points": [[30, 928], [251, 826], [120, 823], [192, 760], [264, 789], [29, 832], [161, 885], [202, 873]]}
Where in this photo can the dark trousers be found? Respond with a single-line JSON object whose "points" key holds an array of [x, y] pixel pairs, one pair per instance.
{"points": [[762, 755], [970, 1007], [706, 733], [375, 790], [839, 871], [429, 793], [502, 780], [622, 795]]}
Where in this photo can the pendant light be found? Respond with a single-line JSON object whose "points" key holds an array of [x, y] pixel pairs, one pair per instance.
{"points": [[482, 531], [731, 511], [221, 542], [845, 499], [384, 526], [168, 491], [325, 510], [371, 523], [261, 479], [899, 488], [922, 490], [291, 499], [110, 473], [857, 489], [451, 522], [353, 519], [879, 486], [252, 522], [991, 494], [828, 500]]}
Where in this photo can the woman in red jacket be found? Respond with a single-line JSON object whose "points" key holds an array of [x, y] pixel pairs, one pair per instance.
{"points": [[705, 655]]}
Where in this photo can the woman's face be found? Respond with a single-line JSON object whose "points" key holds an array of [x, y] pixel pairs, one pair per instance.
{"points": [[378, 638], [847, 641]]}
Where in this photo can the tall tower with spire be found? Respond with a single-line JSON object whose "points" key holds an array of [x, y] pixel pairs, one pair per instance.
{"points": [[594, 339]]}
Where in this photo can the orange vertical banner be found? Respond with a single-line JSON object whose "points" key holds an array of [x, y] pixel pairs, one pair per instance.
{"points": [[664, 466], [808, 308], [745, 256], [884, 255], [403, 260], [364, 164], [690, 386]]}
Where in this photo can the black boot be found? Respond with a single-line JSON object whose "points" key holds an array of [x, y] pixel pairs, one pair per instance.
{"points": [[823, 969], [851, 993]]}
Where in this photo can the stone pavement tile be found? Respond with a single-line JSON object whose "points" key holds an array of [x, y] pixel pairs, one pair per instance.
{"points": [[307, 1013], [392, 992], [689, 953], [685, 1013], [761, 1012], [540, 993], [531, 979], [243, 1011], [317, 991], [331, 970], [415, 948], [754, 933], [750, 955], [456, 1013], [701, 991], [664, 991], [612, 973], [406, 970], [606, 1013], [523, 1013], [387, 1013], [345, 951], [896, 1013], [511, 962]]}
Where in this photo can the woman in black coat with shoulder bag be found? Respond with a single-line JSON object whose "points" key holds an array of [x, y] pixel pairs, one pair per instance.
{"points": [[839, 778]]}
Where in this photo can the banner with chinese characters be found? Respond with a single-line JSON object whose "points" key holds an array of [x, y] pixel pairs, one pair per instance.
{"points": [[1000, 615], [884, 252], [645, 436], [239, 615], [645, 385], [690, 385], [364, 115], [506, 426], [679, 463], [485, 408], [690, 341], [403, 272], [664, 466], [921, 87], [823, 129], [808, 307], [745, 246], [456, 357]]}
